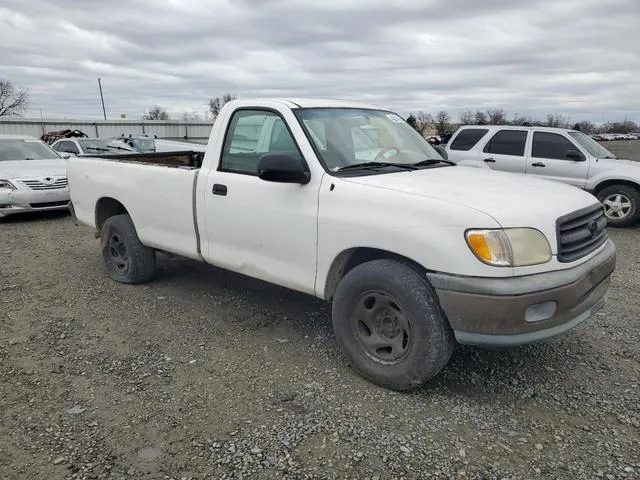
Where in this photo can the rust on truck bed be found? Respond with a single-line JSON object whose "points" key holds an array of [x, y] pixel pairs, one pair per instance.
{"points": [[180, 159]]}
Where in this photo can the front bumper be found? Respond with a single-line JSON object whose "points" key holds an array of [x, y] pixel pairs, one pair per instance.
{"points": [[520, 310], [20, 201]]}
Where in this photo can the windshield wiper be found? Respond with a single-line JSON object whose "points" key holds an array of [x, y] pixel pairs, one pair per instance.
{"points": [[432, 161], [356, 166], [98, 149], [118, 148]]}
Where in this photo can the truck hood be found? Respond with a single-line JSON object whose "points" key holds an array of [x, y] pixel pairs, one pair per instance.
{"points": [[513, 200], [32, 168]]}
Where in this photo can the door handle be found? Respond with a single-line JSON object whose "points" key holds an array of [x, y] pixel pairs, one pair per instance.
{"points": [[538, 164], [219, 189], [489, 160]]}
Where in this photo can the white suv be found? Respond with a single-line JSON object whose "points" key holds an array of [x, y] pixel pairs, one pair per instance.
{"points": [[558, 154]]}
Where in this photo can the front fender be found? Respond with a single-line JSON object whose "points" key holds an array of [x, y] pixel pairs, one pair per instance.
{"points": [[428, 232]]}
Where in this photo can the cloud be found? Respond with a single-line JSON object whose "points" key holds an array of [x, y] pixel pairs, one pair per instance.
{"points": [[576, 57]]}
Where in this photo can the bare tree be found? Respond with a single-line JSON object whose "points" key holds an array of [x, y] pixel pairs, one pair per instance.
{"points": [[216, 104], [481, 118], [442, 122], [522, 120], [411, 120], [423, 121], [626, 126], [585, 126], [12, 101], [556, 120], [191, 116], [156, 113], [467, 118], [496, 116]]}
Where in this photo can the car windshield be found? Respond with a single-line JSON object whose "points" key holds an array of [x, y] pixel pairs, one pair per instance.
{"points": [[102, 145], [345, 137], [591, 146], [144, 144], [11, 150]]}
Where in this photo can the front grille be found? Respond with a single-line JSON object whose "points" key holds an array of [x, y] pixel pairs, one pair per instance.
{"points": [[48, 204], [580, 233], [53, 185]]}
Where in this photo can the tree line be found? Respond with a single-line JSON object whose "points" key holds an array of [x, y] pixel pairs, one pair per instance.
{"points": [[15, 101], [441, 122]]}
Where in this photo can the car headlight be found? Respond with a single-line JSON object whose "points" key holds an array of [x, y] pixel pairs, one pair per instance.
{"points": [[6, 184], [511, 247]]}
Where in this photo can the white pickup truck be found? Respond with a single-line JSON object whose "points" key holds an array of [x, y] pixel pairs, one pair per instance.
{"points": [[348, 203]]}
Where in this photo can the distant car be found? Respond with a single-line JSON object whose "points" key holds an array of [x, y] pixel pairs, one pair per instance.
{"points": [[91, 146], [32, 176]]}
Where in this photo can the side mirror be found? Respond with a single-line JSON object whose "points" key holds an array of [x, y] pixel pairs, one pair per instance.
{"points": [[277, 167], [65, 155], [575, 155]]}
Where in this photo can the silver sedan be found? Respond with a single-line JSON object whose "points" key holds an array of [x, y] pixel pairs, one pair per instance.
{"points": [[33, 177]]}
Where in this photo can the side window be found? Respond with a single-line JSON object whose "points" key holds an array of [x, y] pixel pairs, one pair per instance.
{"points": [[251, 134], [467, 138], [550, 145], [507, 142]]}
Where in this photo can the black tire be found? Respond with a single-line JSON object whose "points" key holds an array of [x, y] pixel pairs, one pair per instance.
{"points": [[624, 217], [398, 291], [126, 259]]}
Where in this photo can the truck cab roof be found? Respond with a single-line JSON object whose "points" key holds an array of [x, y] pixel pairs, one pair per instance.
{"points": [[307, 102]]}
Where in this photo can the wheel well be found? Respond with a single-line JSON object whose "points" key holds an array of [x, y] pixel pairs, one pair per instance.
{"points": [[353, 257], [106, 208], [608, 183]]}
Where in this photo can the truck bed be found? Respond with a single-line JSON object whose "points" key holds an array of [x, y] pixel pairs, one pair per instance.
{"points": [[180, 159], [157, 190]]}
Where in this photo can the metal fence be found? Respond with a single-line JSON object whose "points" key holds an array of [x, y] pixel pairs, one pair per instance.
{"points": [[197, 132]]}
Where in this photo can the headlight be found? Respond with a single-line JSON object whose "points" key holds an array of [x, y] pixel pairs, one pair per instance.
{"points": [[511, 247], [6, 184]]}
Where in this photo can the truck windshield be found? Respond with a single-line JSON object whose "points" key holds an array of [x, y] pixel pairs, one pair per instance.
{"points": [[346, 137], [25, 150], [591, 146]]}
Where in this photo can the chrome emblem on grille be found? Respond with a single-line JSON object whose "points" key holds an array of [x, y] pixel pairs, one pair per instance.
{"points": [[593, 228]]}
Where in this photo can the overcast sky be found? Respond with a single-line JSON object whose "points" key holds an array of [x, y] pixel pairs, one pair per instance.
{"points": [[580, 58]]}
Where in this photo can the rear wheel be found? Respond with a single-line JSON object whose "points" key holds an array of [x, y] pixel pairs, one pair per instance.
{"points": [[390, 326], [127, 260], [621, 205]]}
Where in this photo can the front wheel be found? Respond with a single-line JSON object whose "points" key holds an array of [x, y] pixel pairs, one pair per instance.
{"points": [[127, 260], [621, 205], [389, 325]]}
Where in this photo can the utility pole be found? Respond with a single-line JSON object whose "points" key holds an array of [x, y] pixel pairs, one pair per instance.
{"points": [[104, 112], [42, 120]]}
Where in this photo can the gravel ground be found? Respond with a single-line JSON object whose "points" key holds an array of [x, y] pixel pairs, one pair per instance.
{"points": [[206, 374]]}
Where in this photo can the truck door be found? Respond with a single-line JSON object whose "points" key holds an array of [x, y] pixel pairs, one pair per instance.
{"points": [[556, 157], [263, 229]]}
